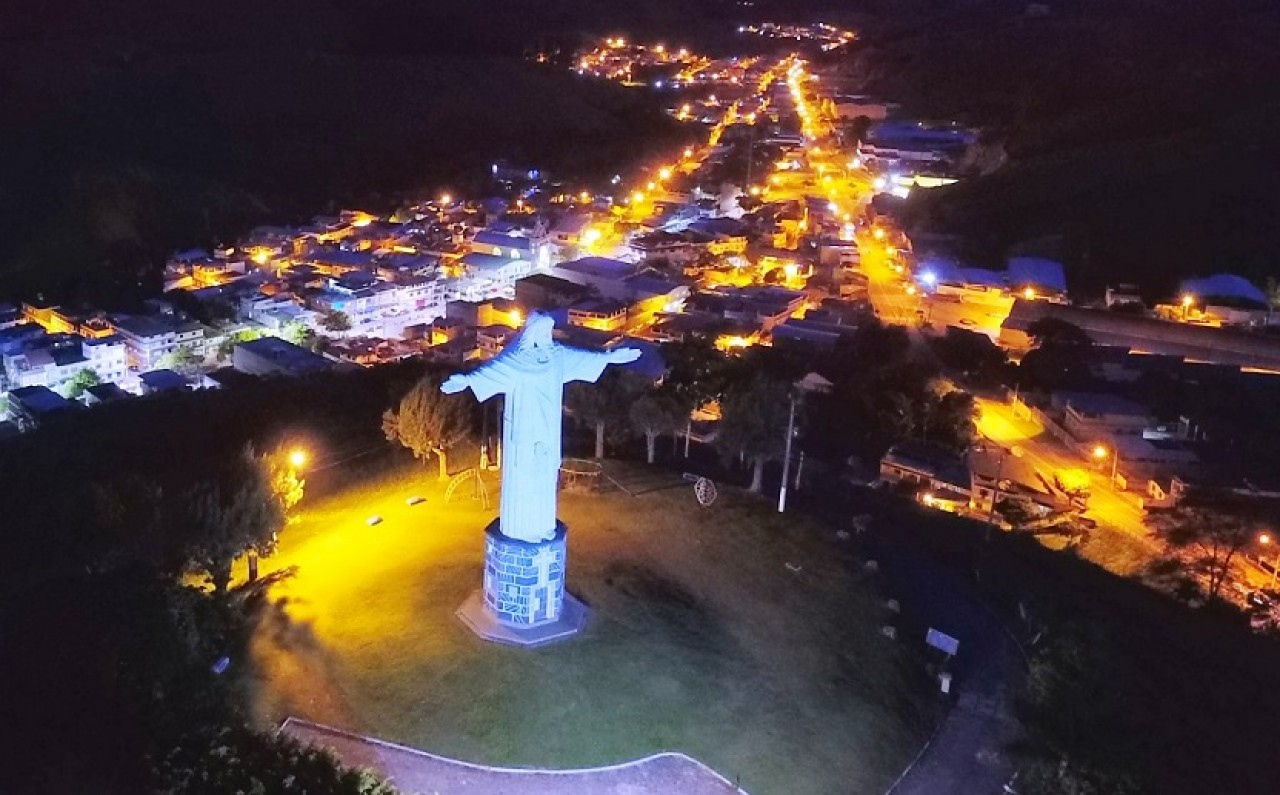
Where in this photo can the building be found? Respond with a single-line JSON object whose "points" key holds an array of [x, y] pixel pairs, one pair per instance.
{"points": [[52, 360], [149, 340], [31, 405], [1091, 417], [379, 308], [1147, 335], [544, 291], [274, 356], [99, 394], [601, 314], [940, 475], [159, 381]]}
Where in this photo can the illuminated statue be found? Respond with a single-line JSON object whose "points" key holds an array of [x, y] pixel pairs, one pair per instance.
{"points": [[532, 371]]}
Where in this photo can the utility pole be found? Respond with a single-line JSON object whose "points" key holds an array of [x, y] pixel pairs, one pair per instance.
{"points": [[786, 460], [995, 492]]}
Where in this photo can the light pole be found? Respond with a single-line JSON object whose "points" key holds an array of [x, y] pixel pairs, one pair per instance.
{"points": [[1265, 539], [1100, 452], [786, 460]]}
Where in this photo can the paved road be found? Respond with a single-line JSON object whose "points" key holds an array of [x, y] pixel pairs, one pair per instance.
{"points": [[1116, 509], [968, 755]]}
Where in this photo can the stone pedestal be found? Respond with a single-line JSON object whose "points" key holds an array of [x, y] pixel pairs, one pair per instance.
{"points": [[523, 601]]}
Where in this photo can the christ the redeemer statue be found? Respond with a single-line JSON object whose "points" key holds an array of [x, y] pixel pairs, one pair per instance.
{"points": [[532, 371]]}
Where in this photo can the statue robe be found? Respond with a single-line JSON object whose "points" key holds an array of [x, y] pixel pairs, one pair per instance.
{"points": [[531, 421]]}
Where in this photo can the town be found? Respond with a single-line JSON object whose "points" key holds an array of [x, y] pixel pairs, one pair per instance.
{"points": [[770, 305]]}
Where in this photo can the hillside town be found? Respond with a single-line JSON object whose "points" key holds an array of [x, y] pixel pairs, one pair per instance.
{"points": [[776, 228]]}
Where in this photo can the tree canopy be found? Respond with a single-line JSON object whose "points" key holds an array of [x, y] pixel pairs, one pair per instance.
{"points": [[429, 423]]}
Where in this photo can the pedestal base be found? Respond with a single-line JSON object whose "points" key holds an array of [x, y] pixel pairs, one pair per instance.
{"points": [[523, 602], [480, 620]]}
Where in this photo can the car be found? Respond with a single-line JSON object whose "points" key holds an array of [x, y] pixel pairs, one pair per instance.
{"points": [[415, 500], [1259, 600], [373, 520]]}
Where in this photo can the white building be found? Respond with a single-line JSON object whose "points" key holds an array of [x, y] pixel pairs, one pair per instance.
{"points": [[383, 309], [56, 360]]}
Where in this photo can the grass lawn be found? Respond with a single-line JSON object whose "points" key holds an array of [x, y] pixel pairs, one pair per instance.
{"points": [[703, 639]]}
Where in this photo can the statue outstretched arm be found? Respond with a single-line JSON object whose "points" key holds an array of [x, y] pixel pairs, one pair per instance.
{"points": [[583, 365], [455, 383]]}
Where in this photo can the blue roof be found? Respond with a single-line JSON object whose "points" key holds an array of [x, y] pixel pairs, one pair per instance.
{"points": [[718, 226], [599, 266], [949, 271], [1224, 285], [486, 262], [40, 399], [1046, 274], [160, 380], [489, 237]]}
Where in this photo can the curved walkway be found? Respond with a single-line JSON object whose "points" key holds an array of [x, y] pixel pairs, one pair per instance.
{"points": [[968, 754], [414, 771]]}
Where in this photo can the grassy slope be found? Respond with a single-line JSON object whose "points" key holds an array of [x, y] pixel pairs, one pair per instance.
{"points": [[701, 641]]}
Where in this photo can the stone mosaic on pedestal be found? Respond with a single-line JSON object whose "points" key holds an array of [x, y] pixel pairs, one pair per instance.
{"points": [[524, 581]]}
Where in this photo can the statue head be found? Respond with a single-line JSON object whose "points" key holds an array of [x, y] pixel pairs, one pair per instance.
{"points": [[535, 338]]}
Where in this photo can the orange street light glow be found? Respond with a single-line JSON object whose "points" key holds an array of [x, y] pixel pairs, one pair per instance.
{"points": [[298, 458], [1029, 294], [1264, 538], [664, 173], [1099, 451], [1188, 299]]}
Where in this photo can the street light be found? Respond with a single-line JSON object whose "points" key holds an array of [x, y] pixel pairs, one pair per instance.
{"points": [[298, 458], [1100, 452], [1265, 539], [1188, 300]]}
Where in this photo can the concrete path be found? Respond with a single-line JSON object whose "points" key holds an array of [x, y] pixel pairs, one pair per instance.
{"points": [[414, 771], [968, 755]]}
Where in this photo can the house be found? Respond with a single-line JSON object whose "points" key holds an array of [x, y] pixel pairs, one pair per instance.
{"points": [[545, 291], [1091, 417], [158, 381], [1037, 278], [940, 474], [52, 360], [507, 241], [601, 314], [99, 394], [274, 356], [378, 308], [149, 339], [31, 405]]}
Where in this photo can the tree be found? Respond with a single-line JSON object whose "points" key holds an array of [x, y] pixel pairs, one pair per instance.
{"points": [[224, 518], [1053, 331], [297, 332], [287, 485], [238, 759], [599, 405], [81, 381], [230, 342], [183, 359], [653, 414], [1214, 525], [428, 422], [753, 424], [336, 321], [949, 420], [696, 371]]}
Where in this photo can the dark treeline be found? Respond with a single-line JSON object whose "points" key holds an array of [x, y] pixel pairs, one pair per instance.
{"points": [[1140, 135]]}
